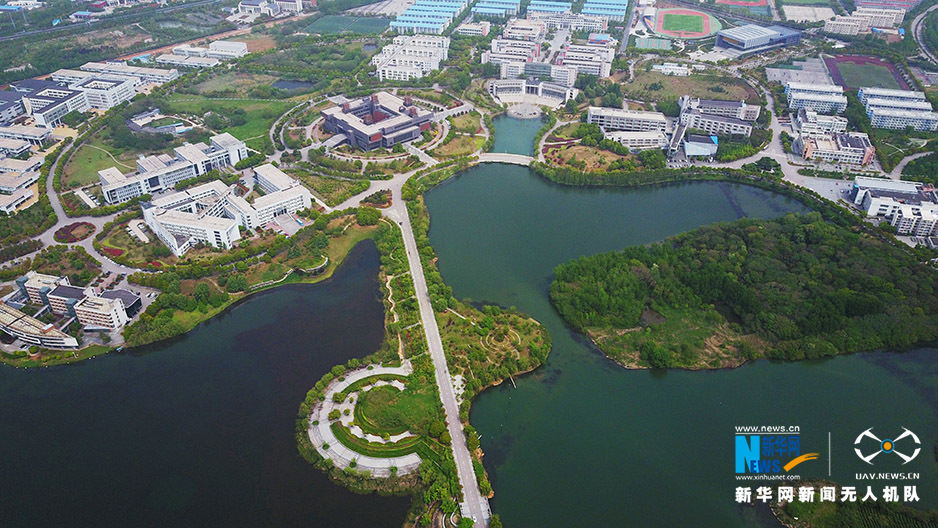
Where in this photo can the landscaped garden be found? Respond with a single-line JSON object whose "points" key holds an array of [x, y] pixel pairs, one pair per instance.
{"points": [[74, 232]]}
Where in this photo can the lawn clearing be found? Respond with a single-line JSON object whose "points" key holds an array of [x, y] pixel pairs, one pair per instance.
{"points": [[91, 157], [260, 114], [655, 86], [874, 75], [459, 146], [691, 23], [330, 190], [331, 24], [234, 82]]}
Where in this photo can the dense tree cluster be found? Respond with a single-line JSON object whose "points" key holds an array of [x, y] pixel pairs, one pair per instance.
{"points": [[805, 287]]}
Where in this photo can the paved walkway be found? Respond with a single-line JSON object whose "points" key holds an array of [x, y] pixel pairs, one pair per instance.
{"points": [[341, 455], [499, 157]]}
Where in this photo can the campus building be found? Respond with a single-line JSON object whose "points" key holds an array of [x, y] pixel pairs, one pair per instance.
{"points": [[13, 147], [515, 90], [146, 75], [652, 139], [31, 134], [911, 207], [182, 61], [410, 57], [809, 123], [567, 20], [211, 213], [48, 102], [32, 331], [379, 120], [719, 125], [35, 286], [474, 29], [548, 7], [227, 49], [898, 109], [592, 60], [522, 29], [904, 5], [99, 313], [496, 8], [505, 50], [258, 7], [672, 68], [821, 98], [11, 106], [428, 16], [751, 38], [626, 120], [853, 148], [736, 109], [863, 20], [614, 10], [105, 93], [562, 75], [699, 146], [162, 172]]}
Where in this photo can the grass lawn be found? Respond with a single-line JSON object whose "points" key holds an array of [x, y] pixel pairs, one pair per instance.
{"points": [[467, 123], [85, 163], [342, 24], [395, 411], [857, 75], [675, 22], [241, 83], [459, 146], [655, 86], [330, 190], [260, 114], [133, 249], [362, 447], [594, 158]]}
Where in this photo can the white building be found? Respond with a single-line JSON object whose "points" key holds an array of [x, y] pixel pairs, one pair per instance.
{"points": [[655, 139], [522, 29], [672, 68], [898, 109], [474, 29], [736, 109], [822, 98], [852, 148], [626, 120], [162, 172], [181, 61], [146, 75], [33, 135], [410, 57], [105, 93], [716, 124], [812, 124], [518, 90], [98, 312], [571, 21], [258, 7], [227, 49], [592, 60], [48, 102]]}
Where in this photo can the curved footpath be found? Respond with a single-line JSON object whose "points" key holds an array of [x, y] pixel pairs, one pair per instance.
{"points": [[341, 455]]}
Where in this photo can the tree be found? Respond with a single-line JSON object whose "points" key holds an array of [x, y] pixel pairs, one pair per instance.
{"points": [[367, 216], [202, 292], [495, 521], [237, 283], [465, 522]]}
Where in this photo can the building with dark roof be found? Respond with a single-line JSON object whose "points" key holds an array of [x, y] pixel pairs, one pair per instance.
{"points": [[11, 106], [63, 298], [131, 300]]}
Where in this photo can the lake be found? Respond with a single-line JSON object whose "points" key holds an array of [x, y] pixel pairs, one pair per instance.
{"points": [[199, 431], [584, 442]]}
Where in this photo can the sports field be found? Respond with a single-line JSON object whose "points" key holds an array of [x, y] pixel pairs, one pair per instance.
{"points": [[689, 23], [852, 72], [331, 24], [685, 23]]}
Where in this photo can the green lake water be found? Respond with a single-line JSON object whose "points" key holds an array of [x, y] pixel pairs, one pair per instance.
{"points": [[515, 136], [584, 442]]}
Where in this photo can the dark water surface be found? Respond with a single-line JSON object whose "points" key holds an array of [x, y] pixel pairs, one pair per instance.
{"points": [[584, 442], [198, 432]]}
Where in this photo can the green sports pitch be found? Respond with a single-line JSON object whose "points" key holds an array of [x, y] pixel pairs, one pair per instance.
{"points": [[691, 23], [331, 24]]}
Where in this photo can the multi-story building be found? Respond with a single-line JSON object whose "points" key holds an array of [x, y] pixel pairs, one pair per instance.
{"points": [[653, 139], [162, 172], [227, 49], [48, 102], [719, 125], [258, 7], [863, 20], [63, 298], [614, 10], [474, 29], [411, 57], [904, 5], [812, 124], [13, 147], [522, 29], [821, 98], [35, 286], [567, 20], [898, 109], [99, 313], [909, 206], [626, 120], [105, 93], [428, 16], [496, 8], [32, 331], [18, 165], [505, 50], [672, 68], [592, 60], [146, 75], [187, 61], [34, 135], [380, 120], [11, 106], [211, 213], [512, 90], [852, 148], [548, 7], [736, 109], [844, 25]]}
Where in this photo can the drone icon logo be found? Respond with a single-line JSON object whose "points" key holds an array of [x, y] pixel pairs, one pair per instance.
{"points": [[887, 446]]}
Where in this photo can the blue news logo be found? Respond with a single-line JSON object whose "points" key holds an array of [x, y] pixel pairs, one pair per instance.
{"points": [[766, 454]]}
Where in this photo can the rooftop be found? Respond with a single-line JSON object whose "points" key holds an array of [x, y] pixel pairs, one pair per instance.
{"points": [[12, 318]]}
